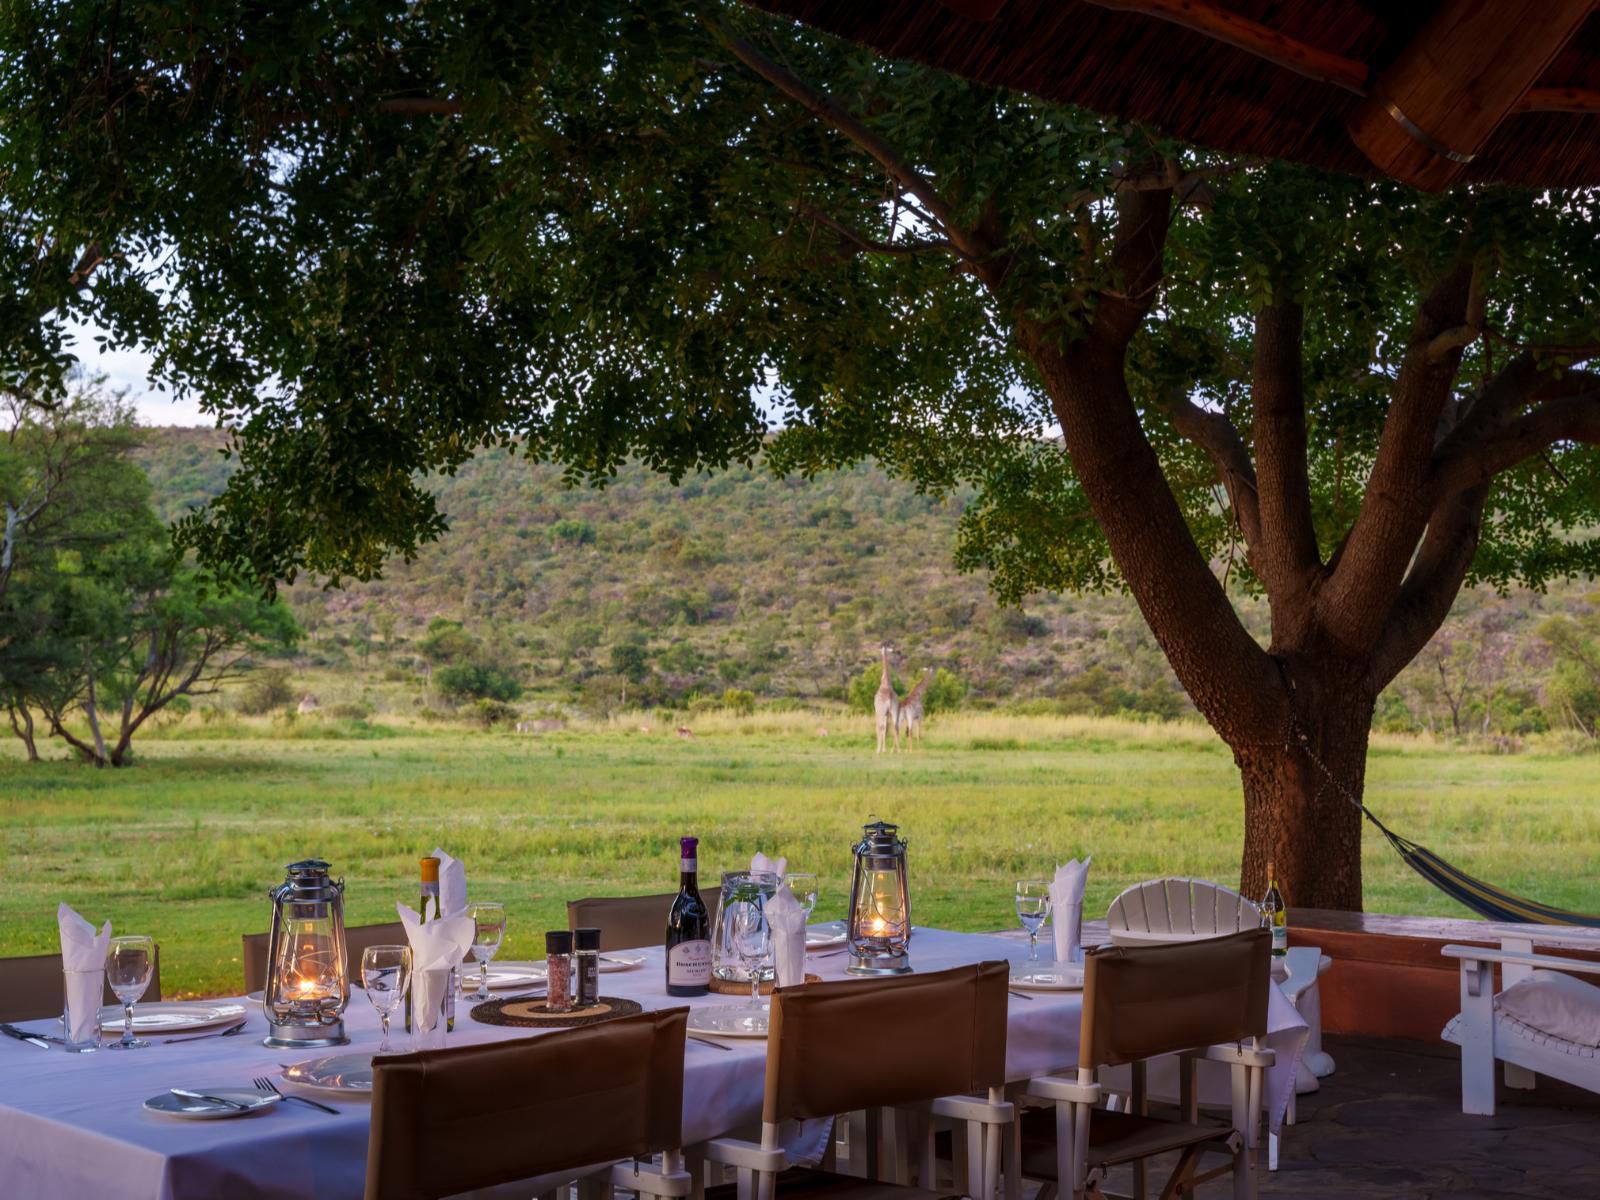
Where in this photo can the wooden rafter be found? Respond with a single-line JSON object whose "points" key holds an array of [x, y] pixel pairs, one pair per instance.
{"points": [[1253, 38]]}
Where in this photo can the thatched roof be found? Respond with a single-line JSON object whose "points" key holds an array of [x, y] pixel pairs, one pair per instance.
{"points": [[1294, 79]]}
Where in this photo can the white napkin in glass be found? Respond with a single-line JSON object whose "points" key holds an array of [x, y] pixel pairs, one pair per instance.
{"points": [[772, 866], [435, 948], [452, 885], [83, 958], [786, 918], [1066, 908]]}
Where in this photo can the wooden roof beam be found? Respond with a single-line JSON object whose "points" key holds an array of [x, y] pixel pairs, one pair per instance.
{"points": [[1559, 99], [1252, 37], [1470, 66]]}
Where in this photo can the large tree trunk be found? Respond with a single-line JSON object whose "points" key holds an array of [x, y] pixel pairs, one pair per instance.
{"points": [[22, 726], [1300, 788]]}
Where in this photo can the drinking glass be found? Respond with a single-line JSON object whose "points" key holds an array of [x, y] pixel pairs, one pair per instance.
{"points": [[745, 919], [804, 886], [1033, 910], [489, 930], [386, 974], [129, 961]]}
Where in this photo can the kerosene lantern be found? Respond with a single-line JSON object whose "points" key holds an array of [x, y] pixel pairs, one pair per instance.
{"points": [[880, 906], [307, 982]]}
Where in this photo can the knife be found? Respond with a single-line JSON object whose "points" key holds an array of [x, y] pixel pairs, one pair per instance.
{"points": [[22, 1036], [185, 1094]]}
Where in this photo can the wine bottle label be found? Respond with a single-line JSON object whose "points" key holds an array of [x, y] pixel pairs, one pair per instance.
{"points": [[688, 866], [1280, 939], [689, 964]]}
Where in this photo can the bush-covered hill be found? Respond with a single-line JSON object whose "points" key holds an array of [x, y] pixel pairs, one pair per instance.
{"points": [[653, 592]]}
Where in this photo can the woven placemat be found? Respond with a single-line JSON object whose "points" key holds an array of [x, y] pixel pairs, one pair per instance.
{"points": [[734, 987], [532, 1014]]}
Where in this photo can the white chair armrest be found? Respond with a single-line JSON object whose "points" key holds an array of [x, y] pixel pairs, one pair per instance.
{"points": [[973, 1108], [734, 1153], [1056, 1087], [1485, 954]]}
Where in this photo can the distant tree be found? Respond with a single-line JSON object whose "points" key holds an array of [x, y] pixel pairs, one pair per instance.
{"points": [[447, 641], [476, 681], [1573, 690], [739, 701], [631, 659], [384, 621], [265, 689], [863, 689], [945, 692]]}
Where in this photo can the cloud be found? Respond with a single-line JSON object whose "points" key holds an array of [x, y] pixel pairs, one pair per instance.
{"points": [[130, 370]]}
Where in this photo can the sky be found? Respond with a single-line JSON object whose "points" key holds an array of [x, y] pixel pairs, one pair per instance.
{"points": [[130, 369]]}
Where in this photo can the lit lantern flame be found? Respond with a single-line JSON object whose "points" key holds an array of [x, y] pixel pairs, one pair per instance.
{"points": [[879, 926]]}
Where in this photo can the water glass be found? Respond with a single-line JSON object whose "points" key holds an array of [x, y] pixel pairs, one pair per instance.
{"points": [[386, 974], [804, 886], [88, 985], [1033, 910], [130, 960], [745, 921], [489, 930]]}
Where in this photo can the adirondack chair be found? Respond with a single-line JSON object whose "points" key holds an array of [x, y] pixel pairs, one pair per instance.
{"points": [[1178, 909], [1486, 1034]]}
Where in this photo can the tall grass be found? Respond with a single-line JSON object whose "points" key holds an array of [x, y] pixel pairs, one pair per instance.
{"points": [[185, 844]]}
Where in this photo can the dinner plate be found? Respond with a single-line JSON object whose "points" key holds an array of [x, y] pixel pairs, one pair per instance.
{"points": [[611, 962], [729, 1020], [173, 1016], [191, 1109], [342, 1073], [1048, 977], [512, 975], [828, 933]]}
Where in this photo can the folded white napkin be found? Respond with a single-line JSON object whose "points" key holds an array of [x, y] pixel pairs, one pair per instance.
{"points": [[772, 866], [452, 885], [435, 948], [1066, 908], [83, 958], [786, 918]]}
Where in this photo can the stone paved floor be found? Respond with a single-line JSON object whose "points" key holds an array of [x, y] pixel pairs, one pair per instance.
{"points": [[1389, 1124]]}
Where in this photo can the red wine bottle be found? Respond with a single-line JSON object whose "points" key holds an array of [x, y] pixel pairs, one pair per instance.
{"points": [[688, 930]]}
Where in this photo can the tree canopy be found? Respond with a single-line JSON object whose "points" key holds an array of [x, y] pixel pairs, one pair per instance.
{"points": [[375, 236]]}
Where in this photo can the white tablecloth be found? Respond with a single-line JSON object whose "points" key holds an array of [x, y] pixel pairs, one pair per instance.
{"points": [[73, 1125]]}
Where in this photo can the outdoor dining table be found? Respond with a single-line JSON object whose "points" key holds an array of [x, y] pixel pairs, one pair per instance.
{"points": [[74, 1125]]}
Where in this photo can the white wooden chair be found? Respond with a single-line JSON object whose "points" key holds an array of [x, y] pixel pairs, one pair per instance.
{"points": [[1487, 1035], [1179, 909]]}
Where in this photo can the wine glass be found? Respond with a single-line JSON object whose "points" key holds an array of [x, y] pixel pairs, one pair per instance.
{"points": [[489, 929], [804, 886], [1033, 910], [129, 961], [746, 923], [386, 974]]}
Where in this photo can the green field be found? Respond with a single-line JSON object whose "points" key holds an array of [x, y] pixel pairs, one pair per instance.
{"points": [[185, 845]]}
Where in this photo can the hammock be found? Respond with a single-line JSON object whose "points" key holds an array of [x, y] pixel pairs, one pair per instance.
{"points": [[1482, 898]]}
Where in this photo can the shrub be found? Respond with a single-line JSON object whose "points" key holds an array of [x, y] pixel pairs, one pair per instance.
{"points": [[349, 710], [266, 690], [739, 701], [473, 681], [490, 713]]}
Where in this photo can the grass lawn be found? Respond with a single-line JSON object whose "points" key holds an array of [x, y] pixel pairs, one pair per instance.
{"points": [[185, 845]]}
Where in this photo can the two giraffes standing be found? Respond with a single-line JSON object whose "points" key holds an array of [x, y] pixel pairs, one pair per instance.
{"points": [[897, 714]]}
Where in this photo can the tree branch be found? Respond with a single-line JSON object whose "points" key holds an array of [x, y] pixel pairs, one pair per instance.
{"points": [[1288, 537], [866, 245], [1376, 553], [1136, 264], [1215, 434], [1567, 419], [1432, 584], [832, 113]]}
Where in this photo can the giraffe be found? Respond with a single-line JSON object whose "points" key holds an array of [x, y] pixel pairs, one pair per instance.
{"points": [[886, 706], [910, 715]]}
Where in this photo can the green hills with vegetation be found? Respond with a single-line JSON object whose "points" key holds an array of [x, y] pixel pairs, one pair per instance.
{"points": [[741, 589]]}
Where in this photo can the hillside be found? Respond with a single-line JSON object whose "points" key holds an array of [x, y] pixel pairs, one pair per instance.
{"points": [[787, 588]]}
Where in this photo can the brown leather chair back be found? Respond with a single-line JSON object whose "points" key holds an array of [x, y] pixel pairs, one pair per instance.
{"points": [[31, 987], [853, 1044], [624, 922], [356, 940], [1141, 1001], [448, 1121]]}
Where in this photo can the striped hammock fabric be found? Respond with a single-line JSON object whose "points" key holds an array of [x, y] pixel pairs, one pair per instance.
{"points": [[1482, 898]]}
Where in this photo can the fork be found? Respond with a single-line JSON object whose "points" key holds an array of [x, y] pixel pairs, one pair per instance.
{"points": [[263, 1084], [708, 1042]]}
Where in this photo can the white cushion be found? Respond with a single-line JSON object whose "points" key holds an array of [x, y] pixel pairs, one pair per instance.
{"points": [[1556, 1004]]}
